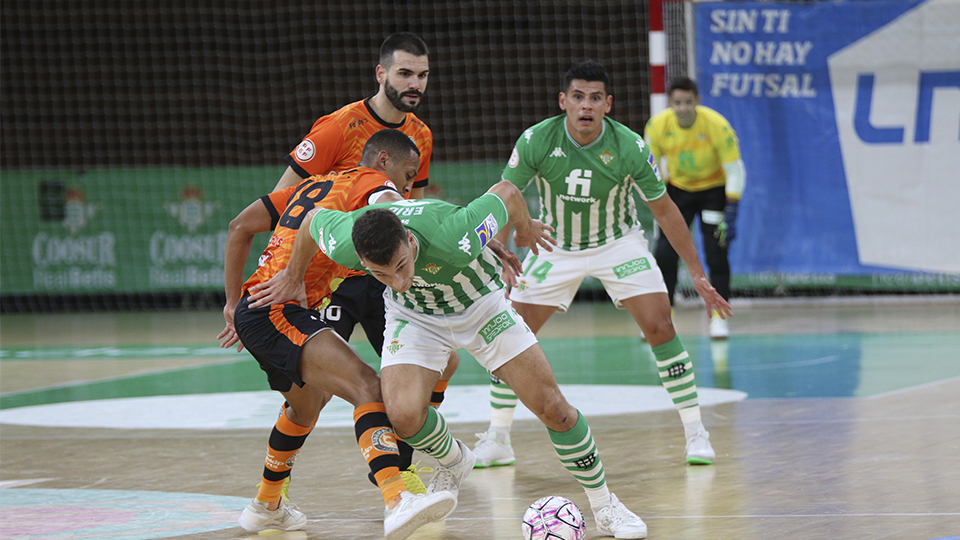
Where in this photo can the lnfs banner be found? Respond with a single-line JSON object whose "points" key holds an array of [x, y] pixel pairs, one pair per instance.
{"points": [[848, 115]]}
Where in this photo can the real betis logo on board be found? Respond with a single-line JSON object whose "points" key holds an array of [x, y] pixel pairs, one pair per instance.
{"points": [[191, 211], [78, 212], [606, 157]]}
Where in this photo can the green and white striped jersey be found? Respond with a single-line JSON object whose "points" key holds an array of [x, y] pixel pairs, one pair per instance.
{"points": [[453, 268], [585, 191]]}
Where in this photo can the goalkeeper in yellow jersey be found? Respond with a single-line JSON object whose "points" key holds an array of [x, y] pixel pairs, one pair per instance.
{"points": [[705, 178]]}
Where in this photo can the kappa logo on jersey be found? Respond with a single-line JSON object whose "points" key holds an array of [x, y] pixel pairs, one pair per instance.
{"points": [[487, 230], [641, 144], [514, 158], [465, 243], [527, 134], [557, 152], [306, 150]]}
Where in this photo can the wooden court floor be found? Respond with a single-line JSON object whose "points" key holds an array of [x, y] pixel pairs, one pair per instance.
{"points": [[877, 466]]}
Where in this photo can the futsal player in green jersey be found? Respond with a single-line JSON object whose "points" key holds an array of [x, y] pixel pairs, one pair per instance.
{"points": [[706, 179], [445, 291], [587, 168]]}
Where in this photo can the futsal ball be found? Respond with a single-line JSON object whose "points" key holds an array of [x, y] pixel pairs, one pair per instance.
{"points": [[553, 518]]}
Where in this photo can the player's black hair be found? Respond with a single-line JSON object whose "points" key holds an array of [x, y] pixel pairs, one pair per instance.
{"points": [[377, 235], [588, 71], [401, 41], [397, 144], [682, 83]]}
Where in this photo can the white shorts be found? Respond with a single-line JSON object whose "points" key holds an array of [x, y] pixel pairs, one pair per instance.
{"points": [[625, 267], [489, 329]]}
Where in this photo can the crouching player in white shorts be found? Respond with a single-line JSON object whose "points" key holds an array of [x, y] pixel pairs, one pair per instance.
{"points": [[587, 168], [445, 291]]}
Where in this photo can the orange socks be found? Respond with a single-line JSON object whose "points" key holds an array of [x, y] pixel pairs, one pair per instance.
{"points": [[286, 440], [378, 444], [437, 397]]}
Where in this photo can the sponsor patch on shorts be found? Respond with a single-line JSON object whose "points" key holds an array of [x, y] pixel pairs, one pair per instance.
{"points": [[631, 267], [496, 326]]}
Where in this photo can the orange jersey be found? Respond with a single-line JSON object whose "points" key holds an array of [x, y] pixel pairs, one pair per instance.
{"points": [[346, 191], [335, 142]]}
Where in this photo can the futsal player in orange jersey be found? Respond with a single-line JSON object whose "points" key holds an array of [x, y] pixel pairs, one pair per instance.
{"points": [[334, 144], [302, 361]]}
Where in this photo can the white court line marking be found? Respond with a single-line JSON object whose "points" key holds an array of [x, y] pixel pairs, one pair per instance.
{"points": [[910, 388], [242, 410], [645, 517], [18, 483]]}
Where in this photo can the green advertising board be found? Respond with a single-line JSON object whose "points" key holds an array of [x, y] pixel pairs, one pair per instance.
{"points": [[144, 230], [122, 231], [164, 230]]}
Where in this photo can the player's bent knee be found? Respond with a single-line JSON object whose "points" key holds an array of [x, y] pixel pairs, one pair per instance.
{"points": [[660, 331], [556, 413], [406, 423]]}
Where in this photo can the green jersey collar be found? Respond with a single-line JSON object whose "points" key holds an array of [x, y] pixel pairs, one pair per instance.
{"points": [[603, 130]]}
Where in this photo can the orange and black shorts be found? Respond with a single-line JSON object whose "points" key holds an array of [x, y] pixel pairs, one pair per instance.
{"points": [[274, 336]]}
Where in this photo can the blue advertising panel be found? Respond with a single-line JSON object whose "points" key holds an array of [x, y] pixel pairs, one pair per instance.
{"points": [[848, 115]]}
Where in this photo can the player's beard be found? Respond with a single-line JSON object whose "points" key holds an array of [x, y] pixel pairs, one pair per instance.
{"points": [[396, 98]]}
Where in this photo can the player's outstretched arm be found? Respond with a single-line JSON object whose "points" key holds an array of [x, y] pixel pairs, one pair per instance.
{"points": [[528, 232], [672, 224], [252, 220]]}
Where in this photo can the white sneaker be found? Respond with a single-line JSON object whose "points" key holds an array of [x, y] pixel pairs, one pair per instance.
{"points": [[449, 478], [492, 453], [615, 520], [415, 511], [699, 451], [287, 517], [719, 328]]}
